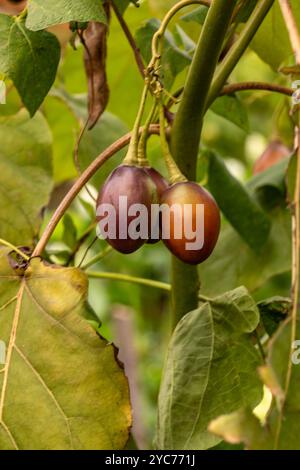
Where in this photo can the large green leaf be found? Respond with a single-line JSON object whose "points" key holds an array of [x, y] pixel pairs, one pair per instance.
{"points": [[242, 265], [25, 176], [107, 130], [44, 13], [237, 204], [174, 59], [210, 369], [61, 386], [231, 108], [282, 376], [29, 59], [272, 42]]}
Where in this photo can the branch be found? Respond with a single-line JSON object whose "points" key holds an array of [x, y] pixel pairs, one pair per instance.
{"points": [[130, 38], [292, 27], [187, 129], [244, 86], [137, 280], [238, 49], [80, 183]]}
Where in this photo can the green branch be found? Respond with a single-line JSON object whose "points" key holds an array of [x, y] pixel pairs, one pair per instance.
{"points": [[239, 48], [187, 129]]}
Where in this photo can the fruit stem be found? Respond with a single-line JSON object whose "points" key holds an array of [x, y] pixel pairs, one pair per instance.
{"points": [[131, 157], [175, 175], [79, 184], [142, 145]]}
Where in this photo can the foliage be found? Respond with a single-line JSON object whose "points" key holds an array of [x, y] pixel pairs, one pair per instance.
{"points": [[53, 318]]}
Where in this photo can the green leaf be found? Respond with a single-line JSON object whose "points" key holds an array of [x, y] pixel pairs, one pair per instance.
{"points": [[210, 370], [174, 60], [70, 231], [244, 266], [45, 13], [272, 42], [273, 312], [107, 130], [237, 204], [269, 187], [197, 15], [281, 431], [29, 59], [25, 177], [241, 426], [231, 108], [74, 394]]}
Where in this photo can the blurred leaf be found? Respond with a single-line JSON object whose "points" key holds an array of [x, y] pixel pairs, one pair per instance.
{"points": [[210, 370], [281, 431], [76, 392], [64, 127], [237, 204], [231, 108], [291, 177], [25, 177], [269, 187], [44, 13], [247, 7], [242, 426], [198, 15], [29, 59], [174, 60], [242, 265], [185, 41], [108, 129], [271, 42], [273, 311], [70, 231]]}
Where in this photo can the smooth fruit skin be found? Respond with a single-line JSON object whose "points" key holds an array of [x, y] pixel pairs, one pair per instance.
{"points": [[161, 185], [133, 182], [274, 153], [160, 182], [193, 194]]}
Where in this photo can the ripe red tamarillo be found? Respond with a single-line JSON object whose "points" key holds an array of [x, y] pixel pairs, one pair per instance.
{"points": [[194, 222], [126, 186]]}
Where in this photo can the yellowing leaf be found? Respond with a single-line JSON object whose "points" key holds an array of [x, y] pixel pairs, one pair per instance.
{"points": [[61, 386]]}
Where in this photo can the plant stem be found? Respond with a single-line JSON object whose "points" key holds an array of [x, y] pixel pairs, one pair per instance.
{"points": [[187, 129], [130, 38], [97, 258], [164, 24], [136, 280], [132, 154], [238, 49], [294, 35], [80, 183], [244, 86], [175, 175], [292, 27]]}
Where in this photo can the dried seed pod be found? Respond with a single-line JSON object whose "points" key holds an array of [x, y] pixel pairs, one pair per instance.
{"points": [[95, 44]]}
